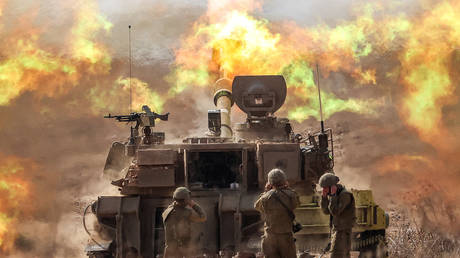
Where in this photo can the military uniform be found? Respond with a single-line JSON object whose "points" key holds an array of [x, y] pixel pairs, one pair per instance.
{"points": [[342, 208], [177, 219], [278, 240]]}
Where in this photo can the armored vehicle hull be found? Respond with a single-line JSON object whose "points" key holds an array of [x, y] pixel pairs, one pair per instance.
{"points": [[226, 175]]}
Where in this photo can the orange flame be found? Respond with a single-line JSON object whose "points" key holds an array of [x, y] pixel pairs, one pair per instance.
{"points": [[27, 66], [230, 41], [242, 44], [426, 63], [14, 192], [142, 94]]}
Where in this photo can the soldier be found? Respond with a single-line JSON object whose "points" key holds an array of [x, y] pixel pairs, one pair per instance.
{"points": [[177, 220], [276, 206], [340, 204]]}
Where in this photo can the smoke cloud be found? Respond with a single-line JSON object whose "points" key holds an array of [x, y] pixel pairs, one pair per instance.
{"points": [[390, 95]]}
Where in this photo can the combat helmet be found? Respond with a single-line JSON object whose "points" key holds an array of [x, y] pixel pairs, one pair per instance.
{"points": [[181, 193], [276, 177], [328, 179]]}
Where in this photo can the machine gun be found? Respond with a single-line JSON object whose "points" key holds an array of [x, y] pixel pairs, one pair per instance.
{"points": [[147, 118]]}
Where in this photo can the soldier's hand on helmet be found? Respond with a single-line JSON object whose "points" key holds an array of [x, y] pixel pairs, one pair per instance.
{"points": [[268, 187], [333, 190]]}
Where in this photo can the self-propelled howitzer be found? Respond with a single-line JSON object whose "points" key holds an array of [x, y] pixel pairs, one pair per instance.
{"points": [[226, 169]]}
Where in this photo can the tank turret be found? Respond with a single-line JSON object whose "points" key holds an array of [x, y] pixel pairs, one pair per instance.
{"points": [[260, 97]]}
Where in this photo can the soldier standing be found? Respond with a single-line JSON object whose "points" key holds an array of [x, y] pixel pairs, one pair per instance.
{"points": [[276, 206], [340, 204], [177, 220]]}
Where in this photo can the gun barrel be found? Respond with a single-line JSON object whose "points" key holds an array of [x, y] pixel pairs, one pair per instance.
{"points": [[124, 118]]}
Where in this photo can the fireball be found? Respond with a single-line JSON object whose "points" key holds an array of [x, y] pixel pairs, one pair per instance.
{"points": [[15, 191]]}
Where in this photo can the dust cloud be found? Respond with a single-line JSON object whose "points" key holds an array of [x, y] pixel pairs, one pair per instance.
{"points": [[62, 140]]}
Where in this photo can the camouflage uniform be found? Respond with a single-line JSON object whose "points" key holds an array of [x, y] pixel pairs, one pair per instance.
{"points": [[342, 208], [177, 220], [278, 240]]}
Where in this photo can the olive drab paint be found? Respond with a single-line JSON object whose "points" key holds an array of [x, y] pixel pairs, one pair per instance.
{"points": [[225, 175]]}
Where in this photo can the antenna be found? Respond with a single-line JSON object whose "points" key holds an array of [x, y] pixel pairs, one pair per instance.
{"points": [[130, 71], [319, 96]]}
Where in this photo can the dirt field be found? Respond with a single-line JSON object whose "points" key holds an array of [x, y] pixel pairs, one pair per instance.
{"points": [[406, 239]]}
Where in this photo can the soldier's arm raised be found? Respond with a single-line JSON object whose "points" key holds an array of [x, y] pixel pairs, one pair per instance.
{"points": [[167, 211], [325, 205], [338, 203], [198, 214], [258, 204]]}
